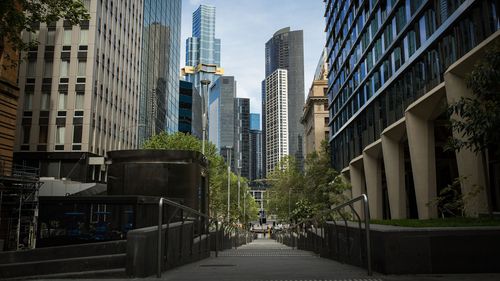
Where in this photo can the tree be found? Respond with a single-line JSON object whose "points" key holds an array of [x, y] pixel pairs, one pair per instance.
{"points": [[217, 174], [477, 118], [19, 15], [297, 196]]}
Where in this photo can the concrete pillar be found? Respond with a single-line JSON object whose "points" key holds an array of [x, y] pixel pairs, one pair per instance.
{"points": [[373, 176], [393, 154], [357, 176], [423, 162], [470, 164]]}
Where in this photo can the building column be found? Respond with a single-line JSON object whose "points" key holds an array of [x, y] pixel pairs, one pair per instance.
{"points": [[357, 177], [393, 154], [373, 177], [470, 164]]}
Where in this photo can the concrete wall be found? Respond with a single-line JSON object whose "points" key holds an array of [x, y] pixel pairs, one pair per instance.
{"points": [[179, 247]]}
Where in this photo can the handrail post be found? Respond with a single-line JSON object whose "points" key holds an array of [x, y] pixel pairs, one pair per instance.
{"points": [[216, 238], [367, 233], [160, 226]]}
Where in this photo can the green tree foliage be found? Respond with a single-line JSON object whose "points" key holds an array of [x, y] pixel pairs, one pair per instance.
{"points": [[19, 15], [477, 118], [298, 196], [217, 173]]}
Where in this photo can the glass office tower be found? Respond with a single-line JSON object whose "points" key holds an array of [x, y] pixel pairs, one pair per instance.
{"points": [[391, 66], [160, 68], [203, 49]]}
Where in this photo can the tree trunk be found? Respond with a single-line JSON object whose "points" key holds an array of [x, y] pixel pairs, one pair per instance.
{"points": [[486, 172]]}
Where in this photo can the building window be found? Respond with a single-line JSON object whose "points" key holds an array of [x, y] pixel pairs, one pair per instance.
{"points": [[84, 37], [60, 130], [45, 101], [326, 121], [77, 133], [26, 133], [82, 67], [67, 37], [47, 69], [43, 134], [63, 97], [327, 135], [31, 69], [51, 38], [79, 100], [64, 69], [28, 101]]}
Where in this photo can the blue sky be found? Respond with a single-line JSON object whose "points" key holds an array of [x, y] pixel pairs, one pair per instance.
{"points": [[244, 26]]}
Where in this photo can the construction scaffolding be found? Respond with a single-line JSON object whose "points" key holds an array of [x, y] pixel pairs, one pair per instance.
{"points": [[19, 208]]}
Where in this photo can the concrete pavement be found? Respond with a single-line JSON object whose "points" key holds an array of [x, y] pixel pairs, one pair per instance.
{"points": [[267, 260]]}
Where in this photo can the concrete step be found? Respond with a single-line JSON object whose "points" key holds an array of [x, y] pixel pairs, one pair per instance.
{"points": [[67, 265], [63, 252], [118, 273]]}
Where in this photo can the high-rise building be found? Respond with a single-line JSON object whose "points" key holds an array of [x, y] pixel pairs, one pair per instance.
{"points": [[159, 68], [394, 67], [255, 148], [242, 135], [315, 118], [189, 109], [221, 113], [203, 49], [81, 87], [277, 121], [285, 50], [9, 95], [263, 101]]}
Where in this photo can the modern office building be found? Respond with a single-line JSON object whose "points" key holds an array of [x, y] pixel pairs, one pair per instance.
{"points": [[277, 121], [263, 102], [315, 118], [159, 68], [189, 109], [255, 148], [242, 135], [285, 50], [394, 66], [203, 49], [221, 113], [81, 88]]}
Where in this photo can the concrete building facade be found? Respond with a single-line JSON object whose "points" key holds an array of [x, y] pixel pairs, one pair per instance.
{"points": [[315, 117], [277, 143], [389, 88]]}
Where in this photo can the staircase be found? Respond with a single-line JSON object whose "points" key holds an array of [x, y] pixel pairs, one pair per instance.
{"points": [[105, 259]]}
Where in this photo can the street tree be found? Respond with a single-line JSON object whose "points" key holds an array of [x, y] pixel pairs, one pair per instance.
{"points": [[17, 16], [476, 119]]}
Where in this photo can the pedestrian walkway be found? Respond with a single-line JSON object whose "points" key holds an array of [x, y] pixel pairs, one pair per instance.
{"points": [[266, 260]]}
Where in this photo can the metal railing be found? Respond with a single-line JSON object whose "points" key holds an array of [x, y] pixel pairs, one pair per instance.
{"points": [[182, 209], [366, 219]]}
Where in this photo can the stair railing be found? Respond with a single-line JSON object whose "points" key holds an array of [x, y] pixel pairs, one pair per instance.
{"points": [[164, 201]]}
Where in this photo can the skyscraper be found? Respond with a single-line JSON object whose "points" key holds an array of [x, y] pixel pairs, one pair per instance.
{"points": [[160, 64], [255, 147], [389, 87], [285, 50], [277, 144], [242, 135], [221, 113], [203, 49], [81, 87]]}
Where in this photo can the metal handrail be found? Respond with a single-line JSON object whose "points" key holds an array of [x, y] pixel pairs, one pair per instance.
{"points": [[160, 227], [366, 210]]}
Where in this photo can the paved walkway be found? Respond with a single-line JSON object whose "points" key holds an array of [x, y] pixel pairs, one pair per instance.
{"points": [[267, 260]]}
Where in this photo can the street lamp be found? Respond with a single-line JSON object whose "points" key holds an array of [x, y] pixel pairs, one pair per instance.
{"points": [[204, 89], [228, 151]]}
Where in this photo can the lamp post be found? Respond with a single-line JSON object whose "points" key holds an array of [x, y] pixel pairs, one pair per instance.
{"points": [[228, 151], [204, 89]]}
